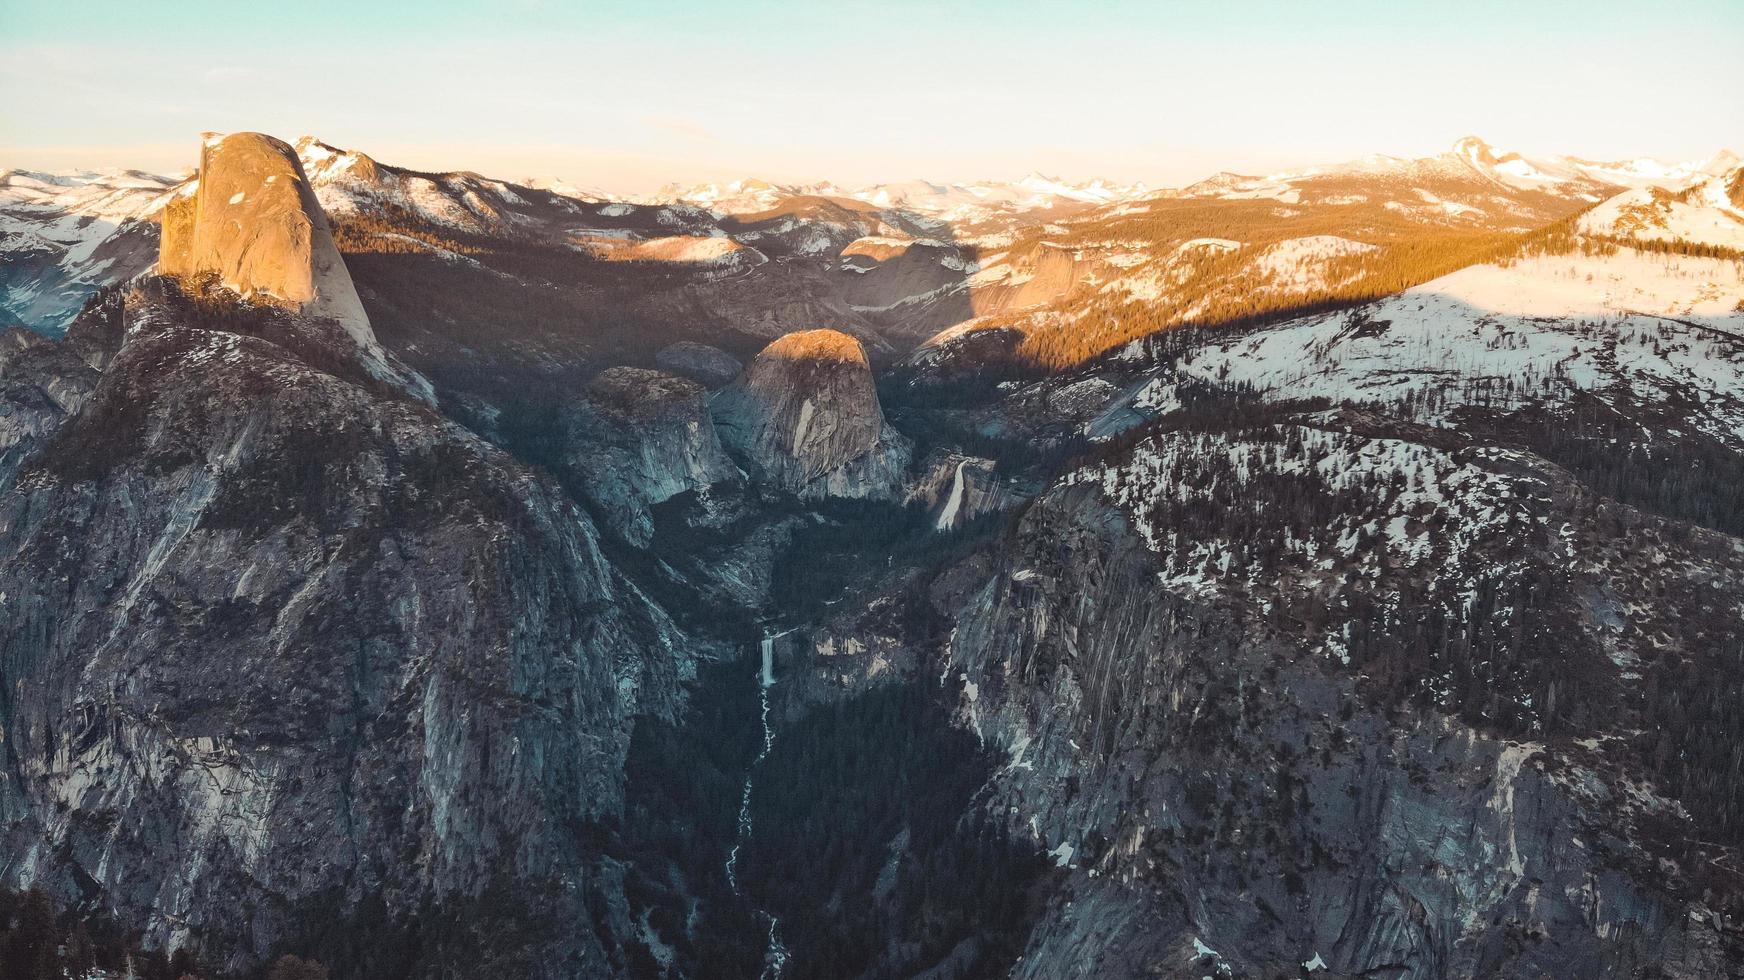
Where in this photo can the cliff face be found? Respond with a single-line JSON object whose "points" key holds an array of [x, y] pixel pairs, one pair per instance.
{"points": [[284, 647], [701, 363], [637, 437], [254, 222], [805, 413], [956, 489], [1216, 758], [41, 383]]}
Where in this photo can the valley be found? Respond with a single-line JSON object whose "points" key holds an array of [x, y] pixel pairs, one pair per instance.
{"points": [[1338, 572]]}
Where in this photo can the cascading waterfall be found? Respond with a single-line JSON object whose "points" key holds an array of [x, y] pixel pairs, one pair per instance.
{"points": [[776, 957], [954, 504]]}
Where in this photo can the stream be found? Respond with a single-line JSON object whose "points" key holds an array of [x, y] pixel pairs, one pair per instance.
{"points": [[776, 957]]}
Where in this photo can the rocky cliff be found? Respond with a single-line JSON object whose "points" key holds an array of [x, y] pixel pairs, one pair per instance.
{"points": [[806, 417], [637, 437], [1267, 762], [956, 489], [254, 223], [288, 656], [41, 383]]}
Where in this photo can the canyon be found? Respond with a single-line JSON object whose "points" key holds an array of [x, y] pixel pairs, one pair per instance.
{"points": [[433, 575]]}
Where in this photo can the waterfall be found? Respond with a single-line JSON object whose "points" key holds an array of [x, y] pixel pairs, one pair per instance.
{"points": [[948, 517], [776, 957]]}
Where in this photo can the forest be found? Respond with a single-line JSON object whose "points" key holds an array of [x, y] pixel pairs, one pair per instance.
{"points": [[870, 850], [40, 942], [1511, 657], [867, 844]]}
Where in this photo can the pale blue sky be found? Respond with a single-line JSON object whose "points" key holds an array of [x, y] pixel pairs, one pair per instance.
{"points": [[629, 95]]}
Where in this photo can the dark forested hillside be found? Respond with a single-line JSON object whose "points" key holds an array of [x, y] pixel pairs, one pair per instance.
{"points": [[872, 852]]}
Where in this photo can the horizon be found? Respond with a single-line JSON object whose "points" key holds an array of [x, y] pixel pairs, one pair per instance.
{"points": [[1323, 560], [425, 159], [614, 97]]}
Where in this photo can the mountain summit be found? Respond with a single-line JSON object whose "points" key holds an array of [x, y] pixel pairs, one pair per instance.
{"points": [[253, 221], [806, 414], [1325, 573]]}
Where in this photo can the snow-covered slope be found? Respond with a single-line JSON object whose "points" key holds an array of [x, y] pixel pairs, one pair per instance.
{"points": [[1587, 316], [350, 183], [1471, 178], [1654, 327], [1710, 212], [62, 236]]}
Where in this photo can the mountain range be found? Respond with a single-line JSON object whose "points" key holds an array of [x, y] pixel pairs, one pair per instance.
{"points": [[1334, 573]]}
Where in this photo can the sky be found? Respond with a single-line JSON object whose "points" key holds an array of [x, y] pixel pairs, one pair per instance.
{"points": [[627, 96]]}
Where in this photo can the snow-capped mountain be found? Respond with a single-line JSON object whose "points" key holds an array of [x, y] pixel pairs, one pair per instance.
{"points": [[1460, 181], [62, 236], [1537, 172], [970, 201], [974, 200], [1336, 572], [68, 234], [897, 263], [977, 200], [1709, 211], [351, 183], [747, 195]]}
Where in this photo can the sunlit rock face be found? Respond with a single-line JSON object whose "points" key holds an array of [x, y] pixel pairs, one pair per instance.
{"points": [[805, 414], [253, 222]]}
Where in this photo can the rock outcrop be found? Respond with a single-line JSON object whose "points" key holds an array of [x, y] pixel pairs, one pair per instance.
{"points": [[1225, 796], [253, 221], [699, 362], [955, 489], [283, 647], [805, 416], [637, 437]]}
